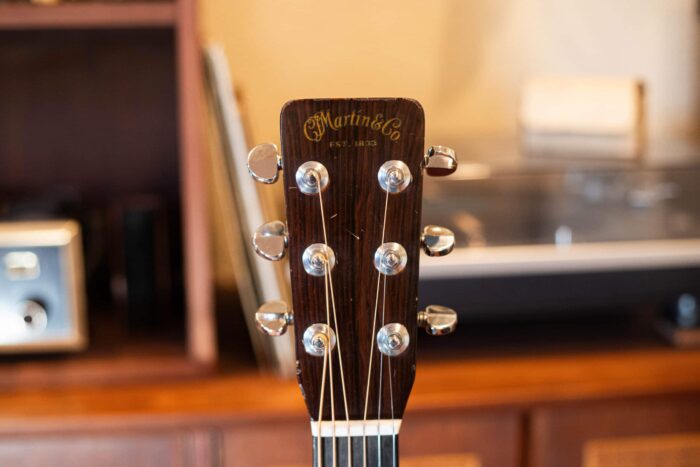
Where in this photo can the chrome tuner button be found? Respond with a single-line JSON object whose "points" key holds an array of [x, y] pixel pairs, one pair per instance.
{"points": [[393, 339], [272, 318], [316, 257], [437, 320], [310, 175], [440, 161], [270, 240], [390, 258], [264, 163], [317, 338], [437, 241], [394, 176]]}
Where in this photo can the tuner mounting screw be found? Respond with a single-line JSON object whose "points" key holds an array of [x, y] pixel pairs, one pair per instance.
{"points": [[310, 175], [317, 337], [264, 163], [394, 176], [390, 258], [316, 257], [393, 339], [440, 161], [437, 320]]}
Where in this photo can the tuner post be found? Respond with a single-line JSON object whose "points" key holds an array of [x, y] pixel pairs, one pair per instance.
{"points": [[393, 339], [394, 176], [317, 258], [318, 338], [390, 258], [311, 177], [437, 320], [440, 161]]}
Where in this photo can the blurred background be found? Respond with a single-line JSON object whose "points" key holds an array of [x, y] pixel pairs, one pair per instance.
{"points": [[129, 287], [465, 61]]}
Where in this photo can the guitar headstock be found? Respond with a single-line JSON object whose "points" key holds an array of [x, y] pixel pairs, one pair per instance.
{"points": [[353, 173]]}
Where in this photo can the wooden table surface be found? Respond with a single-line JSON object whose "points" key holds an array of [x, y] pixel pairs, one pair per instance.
{"points": [[466, 383]]}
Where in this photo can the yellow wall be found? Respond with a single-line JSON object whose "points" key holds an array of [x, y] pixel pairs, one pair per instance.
{"points": [[463, 59]]}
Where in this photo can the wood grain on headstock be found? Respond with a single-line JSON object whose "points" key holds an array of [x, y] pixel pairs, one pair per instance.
{"points": [[353, 138]]}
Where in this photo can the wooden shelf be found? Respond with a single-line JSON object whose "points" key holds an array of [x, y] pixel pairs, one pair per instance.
{"points": [[131, 361], [17, 16]]}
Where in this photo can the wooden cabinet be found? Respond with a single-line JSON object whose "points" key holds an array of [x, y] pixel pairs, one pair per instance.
{"points": [[615, 433], [267, 443], [583, 410], [490, 438], [111, 449]]}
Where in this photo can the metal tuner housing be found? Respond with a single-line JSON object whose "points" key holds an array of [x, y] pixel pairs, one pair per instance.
{"points": [[437, 320], [273, 318], [270, 240], [264, 163], [437, 241], [440, 161]]}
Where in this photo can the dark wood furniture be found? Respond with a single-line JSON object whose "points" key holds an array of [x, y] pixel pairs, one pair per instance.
{"points": [[104, 97], [500, 411]]}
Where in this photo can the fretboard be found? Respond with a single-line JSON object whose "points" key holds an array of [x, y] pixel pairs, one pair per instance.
{"points": [[381, 451]]}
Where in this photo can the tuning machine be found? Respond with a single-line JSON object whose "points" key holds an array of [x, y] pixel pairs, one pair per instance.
{"points": [[272, 318], [436, 240], [440, 161], [437, 320], [264, 163], [270, 240]]}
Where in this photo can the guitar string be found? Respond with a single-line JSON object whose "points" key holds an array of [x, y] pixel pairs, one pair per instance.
{"points": [[330, 361], [319, 453], [342, 376], [391, 406], [381, 387], [329, 274], [371, 351]]}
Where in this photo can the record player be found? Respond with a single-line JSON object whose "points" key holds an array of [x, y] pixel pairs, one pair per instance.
{"points": [[555, 233]]}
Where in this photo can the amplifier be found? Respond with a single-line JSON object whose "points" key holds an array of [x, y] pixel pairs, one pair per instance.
{"points": [[42, 291]]}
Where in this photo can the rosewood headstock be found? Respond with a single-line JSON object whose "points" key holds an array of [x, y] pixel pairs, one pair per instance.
{"points": [[353, 173]]}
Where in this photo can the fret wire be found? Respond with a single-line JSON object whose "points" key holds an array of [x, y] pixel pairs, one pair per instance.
{"points": [[374, 329]]}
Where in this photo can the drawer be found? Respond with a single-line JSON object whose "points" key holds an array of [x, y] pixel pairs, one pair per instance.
{"points": [[136, 448], [489, 438], [609, 434]]}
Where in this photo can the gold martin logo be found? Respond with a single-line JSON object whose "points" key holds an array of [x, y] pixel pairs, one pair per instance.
{"points": [[317, 124]]}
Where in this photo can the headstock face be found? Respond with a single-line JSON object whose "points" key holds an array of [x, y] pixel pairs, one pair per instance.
{"points": [[352, 138]]}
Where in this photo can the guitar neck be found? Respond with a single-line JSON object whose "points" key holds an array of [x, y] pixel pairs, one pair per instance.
{"points": [[381, 451]]}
